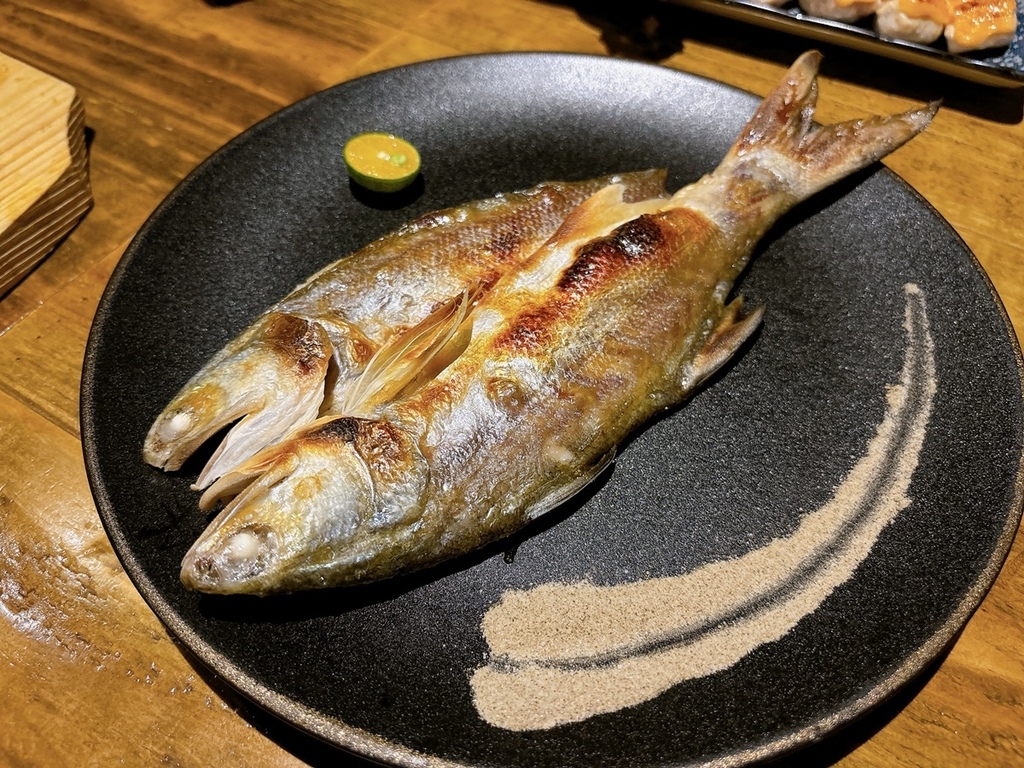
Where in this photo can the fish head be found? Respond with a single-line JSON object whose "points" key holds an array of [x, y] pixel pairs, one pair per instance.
{"points": [[316, 510], [269, 380]]}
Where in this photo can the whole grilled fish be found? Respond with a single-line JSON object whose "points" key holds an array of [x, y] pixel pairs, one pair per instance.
{"points": [[620, 315], [296, 360]]}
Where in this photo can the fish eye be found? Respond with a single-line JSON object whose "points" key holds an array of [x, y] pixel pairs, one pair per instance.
{"points": [[246, 553]]}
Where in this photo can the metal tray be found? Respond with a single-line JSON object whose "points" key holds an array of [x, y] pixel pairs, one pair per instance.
{"points": [[1002, 67]]}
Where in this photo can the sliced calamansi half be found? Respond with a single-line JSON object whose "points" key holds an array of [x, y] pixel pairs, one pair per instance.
{"points": [[381, 162]]}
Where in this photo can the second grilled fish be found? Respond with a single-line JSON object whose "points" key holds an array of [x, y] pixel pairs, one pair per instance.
{"points": [[296, 360], [619, 316]]}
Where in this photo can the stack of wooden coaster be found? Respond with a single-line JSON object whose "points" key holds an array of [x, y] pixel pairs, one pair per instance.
{"points": [[44, 173]]}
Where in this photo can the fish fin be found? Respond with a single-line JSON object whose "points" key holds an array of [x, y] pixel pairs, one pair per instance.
{"points": [[563, 493], [602, 211], [733, 329], [595, 208], [400, 362], [642, 185], [816, 156], [240, 477], [444, 357], [229, 485]]}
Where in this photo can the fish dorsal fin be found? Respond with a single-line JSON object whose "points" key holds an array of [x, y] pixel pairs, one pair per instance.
{"points": [[733, 329], [600, 213], [596, 216], [400, 361], [590, 214]]}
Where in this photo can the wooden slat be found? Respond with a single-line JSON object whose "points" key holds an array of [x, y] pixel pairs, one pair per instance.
{"points": [[44, 176]]}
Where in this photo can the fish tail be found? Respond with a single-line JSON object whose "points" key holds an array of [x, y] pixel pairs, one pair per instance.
{"points": [[804, 157]]}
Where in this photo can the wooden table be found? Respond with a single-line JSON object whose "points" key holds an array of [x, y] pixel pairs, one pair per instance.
{"points": [[90, 675]]}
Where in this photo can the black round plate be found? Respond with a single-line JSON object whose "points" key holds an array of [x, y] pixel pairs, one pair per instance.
{"points": [[384, 670]]}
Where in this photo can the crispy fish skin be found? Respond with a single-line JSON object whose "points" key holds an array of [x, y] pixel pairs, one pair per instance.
{"points": [[618, 317], [294, 362]]}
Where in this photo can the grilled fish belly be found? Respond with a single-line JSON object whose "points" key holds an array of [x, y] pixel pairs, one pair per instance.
{"points": [[621, 314]]}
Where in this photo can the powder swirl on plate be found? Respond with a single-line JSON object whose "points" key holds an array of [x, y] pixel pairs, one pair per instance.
{"points": [[562, 653]]}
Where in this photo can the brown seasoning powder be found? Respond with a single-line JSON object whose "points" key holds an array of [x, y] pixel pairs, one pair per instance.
{"points": [[562, 653]]}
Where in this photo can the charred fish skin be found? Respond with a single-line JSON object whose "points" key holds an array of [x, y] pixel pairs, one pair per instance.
{"points": [[617, 317], [293, 363]]}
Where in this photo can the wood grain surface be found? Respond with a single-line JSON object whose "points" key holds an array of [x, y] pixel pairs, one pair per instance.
{"points": [[90, 676], [44, 174]]}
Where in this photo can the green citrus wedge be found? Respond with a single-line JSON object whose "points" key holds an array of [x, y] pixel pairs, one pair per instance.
{"points": [[381, 162]]}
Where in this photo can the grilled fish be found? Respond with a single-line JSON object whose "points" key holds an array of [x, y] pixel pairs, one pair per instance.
{"points": [[620, 315], [296, 360]]}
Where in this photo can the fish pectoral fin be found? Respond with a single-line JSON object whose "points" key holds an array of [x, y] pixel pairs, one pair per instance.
{"points": [[733, 329], [241, 477], [430, 345], [563, 493]]}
